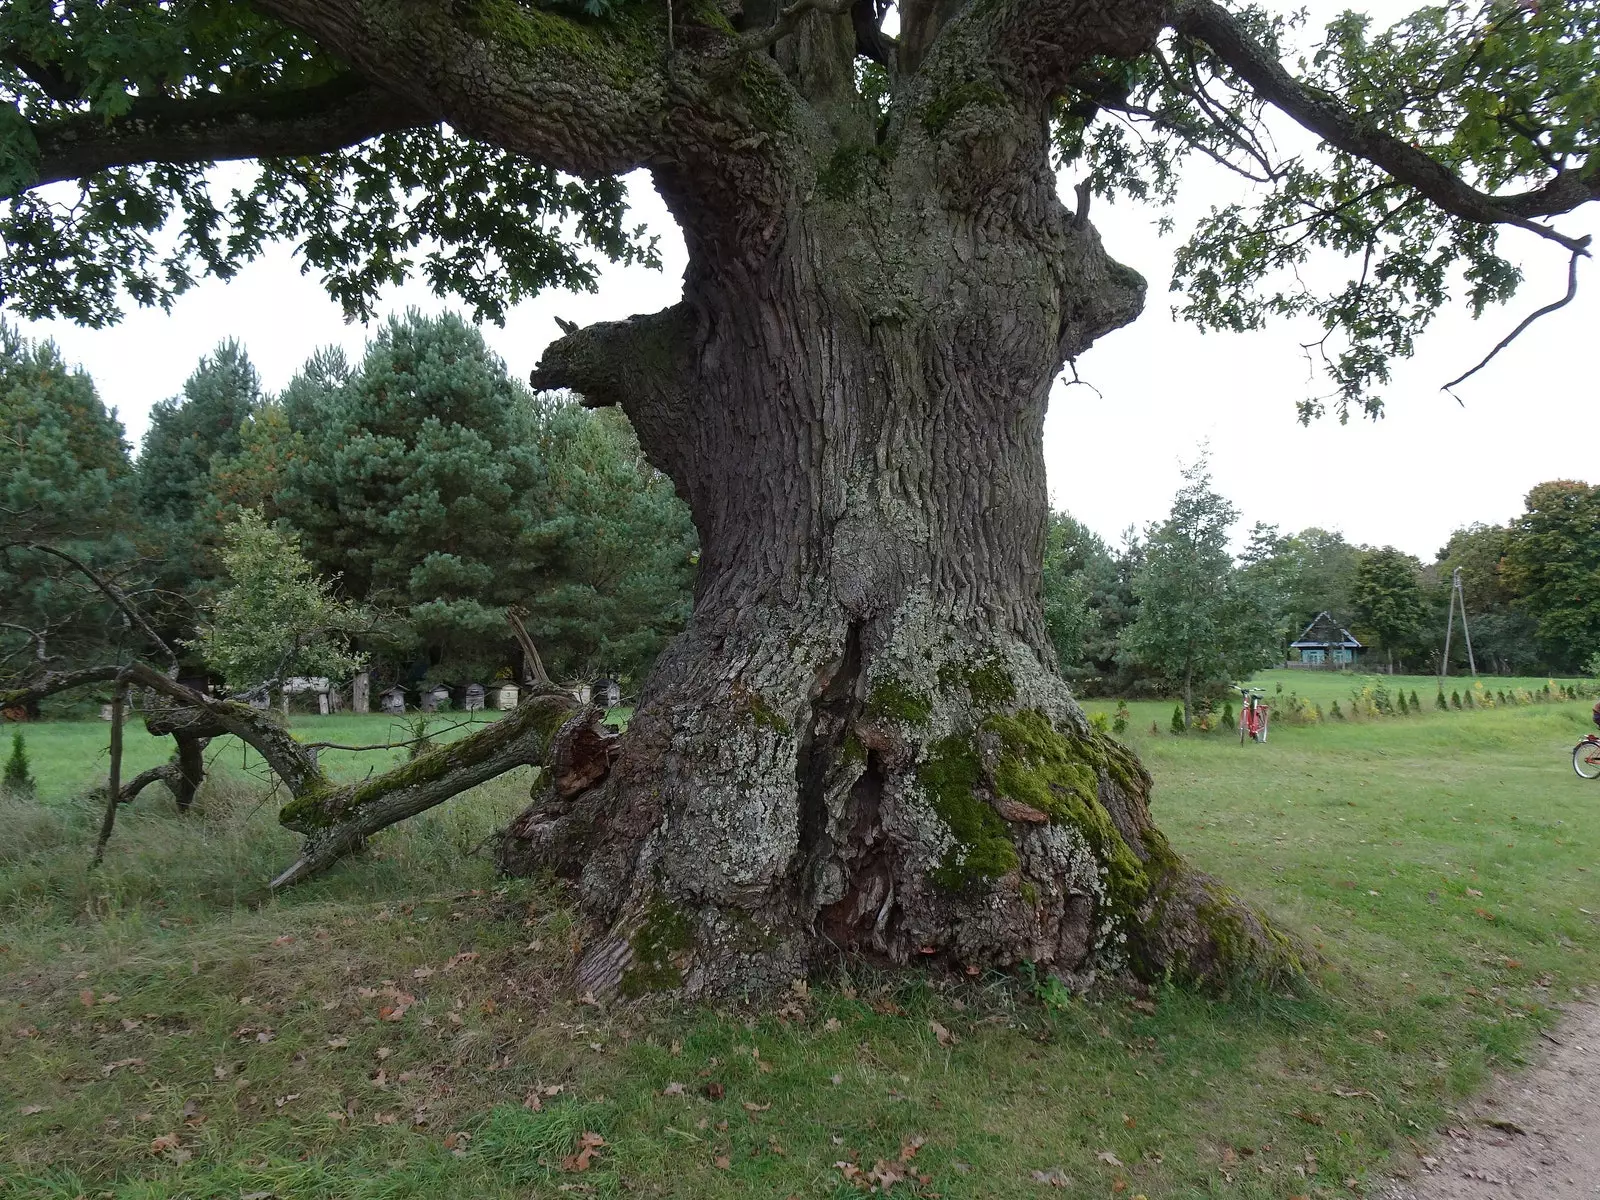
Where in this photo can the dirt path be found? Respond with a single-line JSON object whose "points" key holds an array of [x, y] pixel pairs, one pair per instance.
{"points": [[1533, 1135]]}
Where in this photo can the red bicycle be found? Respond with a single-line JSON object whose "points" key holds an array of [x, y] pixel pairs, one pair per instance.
{"points": [[1586, 757], [1252, 716]]}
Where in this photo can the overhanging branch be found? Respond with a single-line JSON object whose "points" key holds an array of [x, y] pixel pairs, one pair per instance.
{"points": [[215, 128], [1332, 121]]}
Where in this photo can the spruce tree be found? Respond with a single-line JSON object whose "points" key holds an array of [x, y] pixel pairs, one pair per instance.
{"points": [[18, 779], [1177, 718], [1441, 703], [1455, 699], [1416, 705]]}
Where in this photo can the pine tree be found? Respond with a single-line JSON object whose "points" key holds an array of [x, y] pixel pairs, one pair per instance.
{"points": [[1441, 703], [1177, 718], [1455, 699], [1416, 705], [18, 779]]}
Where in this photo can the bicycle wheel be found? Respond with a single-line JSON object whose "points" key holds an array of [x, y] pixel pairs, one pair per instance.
{"points": [[1262, 735], [1586, 759]]}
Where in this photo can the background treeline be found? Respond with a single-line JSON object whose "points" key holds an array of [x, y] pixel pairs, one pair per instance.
{"points": [[413, 496], [390, 511], [1135, 618]]}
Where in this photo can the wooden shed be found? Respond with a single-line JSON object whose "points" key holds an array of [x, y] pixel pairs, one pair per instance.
{"points": [[1326, 643]]}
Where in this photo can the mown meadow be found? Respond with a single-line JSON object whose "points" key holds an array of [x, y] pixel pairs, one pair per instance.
{"points": [[402, 1026]]}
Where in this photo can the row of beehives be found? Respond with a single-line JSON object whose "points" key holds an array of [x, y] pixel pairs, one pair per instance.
{"points": [[471, 697]]}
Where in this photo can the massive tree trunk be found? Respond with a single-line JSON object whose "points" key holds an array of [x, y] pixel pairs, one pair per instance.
{"points": [[862, 743]]}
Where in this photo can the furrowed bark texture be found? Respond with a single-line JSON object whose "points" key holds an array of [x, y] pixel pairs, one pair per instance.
{"points": [[861, 744]]}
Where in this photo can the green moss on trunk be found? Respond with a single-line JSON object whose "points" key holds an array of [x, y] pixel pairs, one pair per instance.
{"points": [[664, 934], [983, 850]]}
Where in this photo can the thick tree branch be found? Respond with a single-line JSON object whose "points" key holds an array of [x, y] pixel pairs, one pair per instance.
{"points": [[53, 682], [1331, 120], [338, 820], [168, 773], [586, 97], [563, 100], [214, 128], [646, 366], [789, 19]]}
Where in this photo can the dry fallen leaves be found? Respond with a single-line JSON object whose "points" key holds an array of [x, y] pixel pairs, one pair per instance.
{"points": [[1109, 1158], [588, 1144], [946, 1038], [1054, 1177]]}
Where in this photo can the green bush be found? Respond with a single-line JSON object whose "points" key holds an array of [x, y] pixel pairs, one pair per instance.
{"points": [[1416, 705], [1336, 712], [1100, 722], [18, 779], [1455, 699], [1177, 718], [1441, 703], [1227, 716]]}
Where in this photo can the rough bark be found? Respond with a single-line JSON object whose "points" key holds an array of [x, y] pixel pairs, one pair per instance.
{"points": [[861, 744]]}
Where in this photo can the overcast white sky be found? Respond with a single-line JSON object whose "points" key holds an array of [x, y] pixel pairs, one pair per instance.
{"points": [[1428, 467]]}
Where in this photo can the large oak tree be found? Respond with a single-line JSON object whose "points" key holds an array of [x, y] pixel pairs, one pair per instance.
{"points": [[861, 741]]}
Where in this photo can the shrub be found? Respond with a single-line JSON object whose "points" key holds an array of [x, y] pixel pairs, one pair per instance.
{"points": [[1466, 700], [18, 779], [1292, 709], [1228, 721], [1441, 703], [1416, 705], [1177, 718], [1335, 712], [1100, 722], [1317, 708], [1455, 699], [1119, 719]]}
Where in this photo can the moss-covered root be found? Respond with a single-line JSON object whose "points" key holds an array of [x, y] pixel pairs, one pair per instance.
{"points": [[1193, 930]]}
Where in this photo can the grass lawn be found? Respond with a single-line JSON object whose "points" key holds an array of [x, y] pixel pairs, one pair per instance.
{"points": [[400, 1027]]}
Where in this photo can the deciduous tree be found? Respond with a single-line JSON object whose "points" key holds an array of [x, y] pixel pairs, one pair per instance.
{"points": [[1552, 562], [1388, 601], [860, 740]]}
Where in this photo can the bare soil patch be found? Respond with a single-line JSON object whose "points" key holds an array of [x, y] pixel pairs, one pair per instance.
{"points": [[1536, 1134]]}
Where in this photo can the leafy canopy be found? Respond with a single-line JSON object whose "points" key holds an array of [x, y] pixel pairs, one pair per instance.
{"points": [[474, 220], [1420, 144]]}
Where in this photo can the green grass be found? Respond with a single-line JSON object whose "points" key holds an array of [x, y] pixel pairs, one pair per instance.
{"points": [[1442, 862]]}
